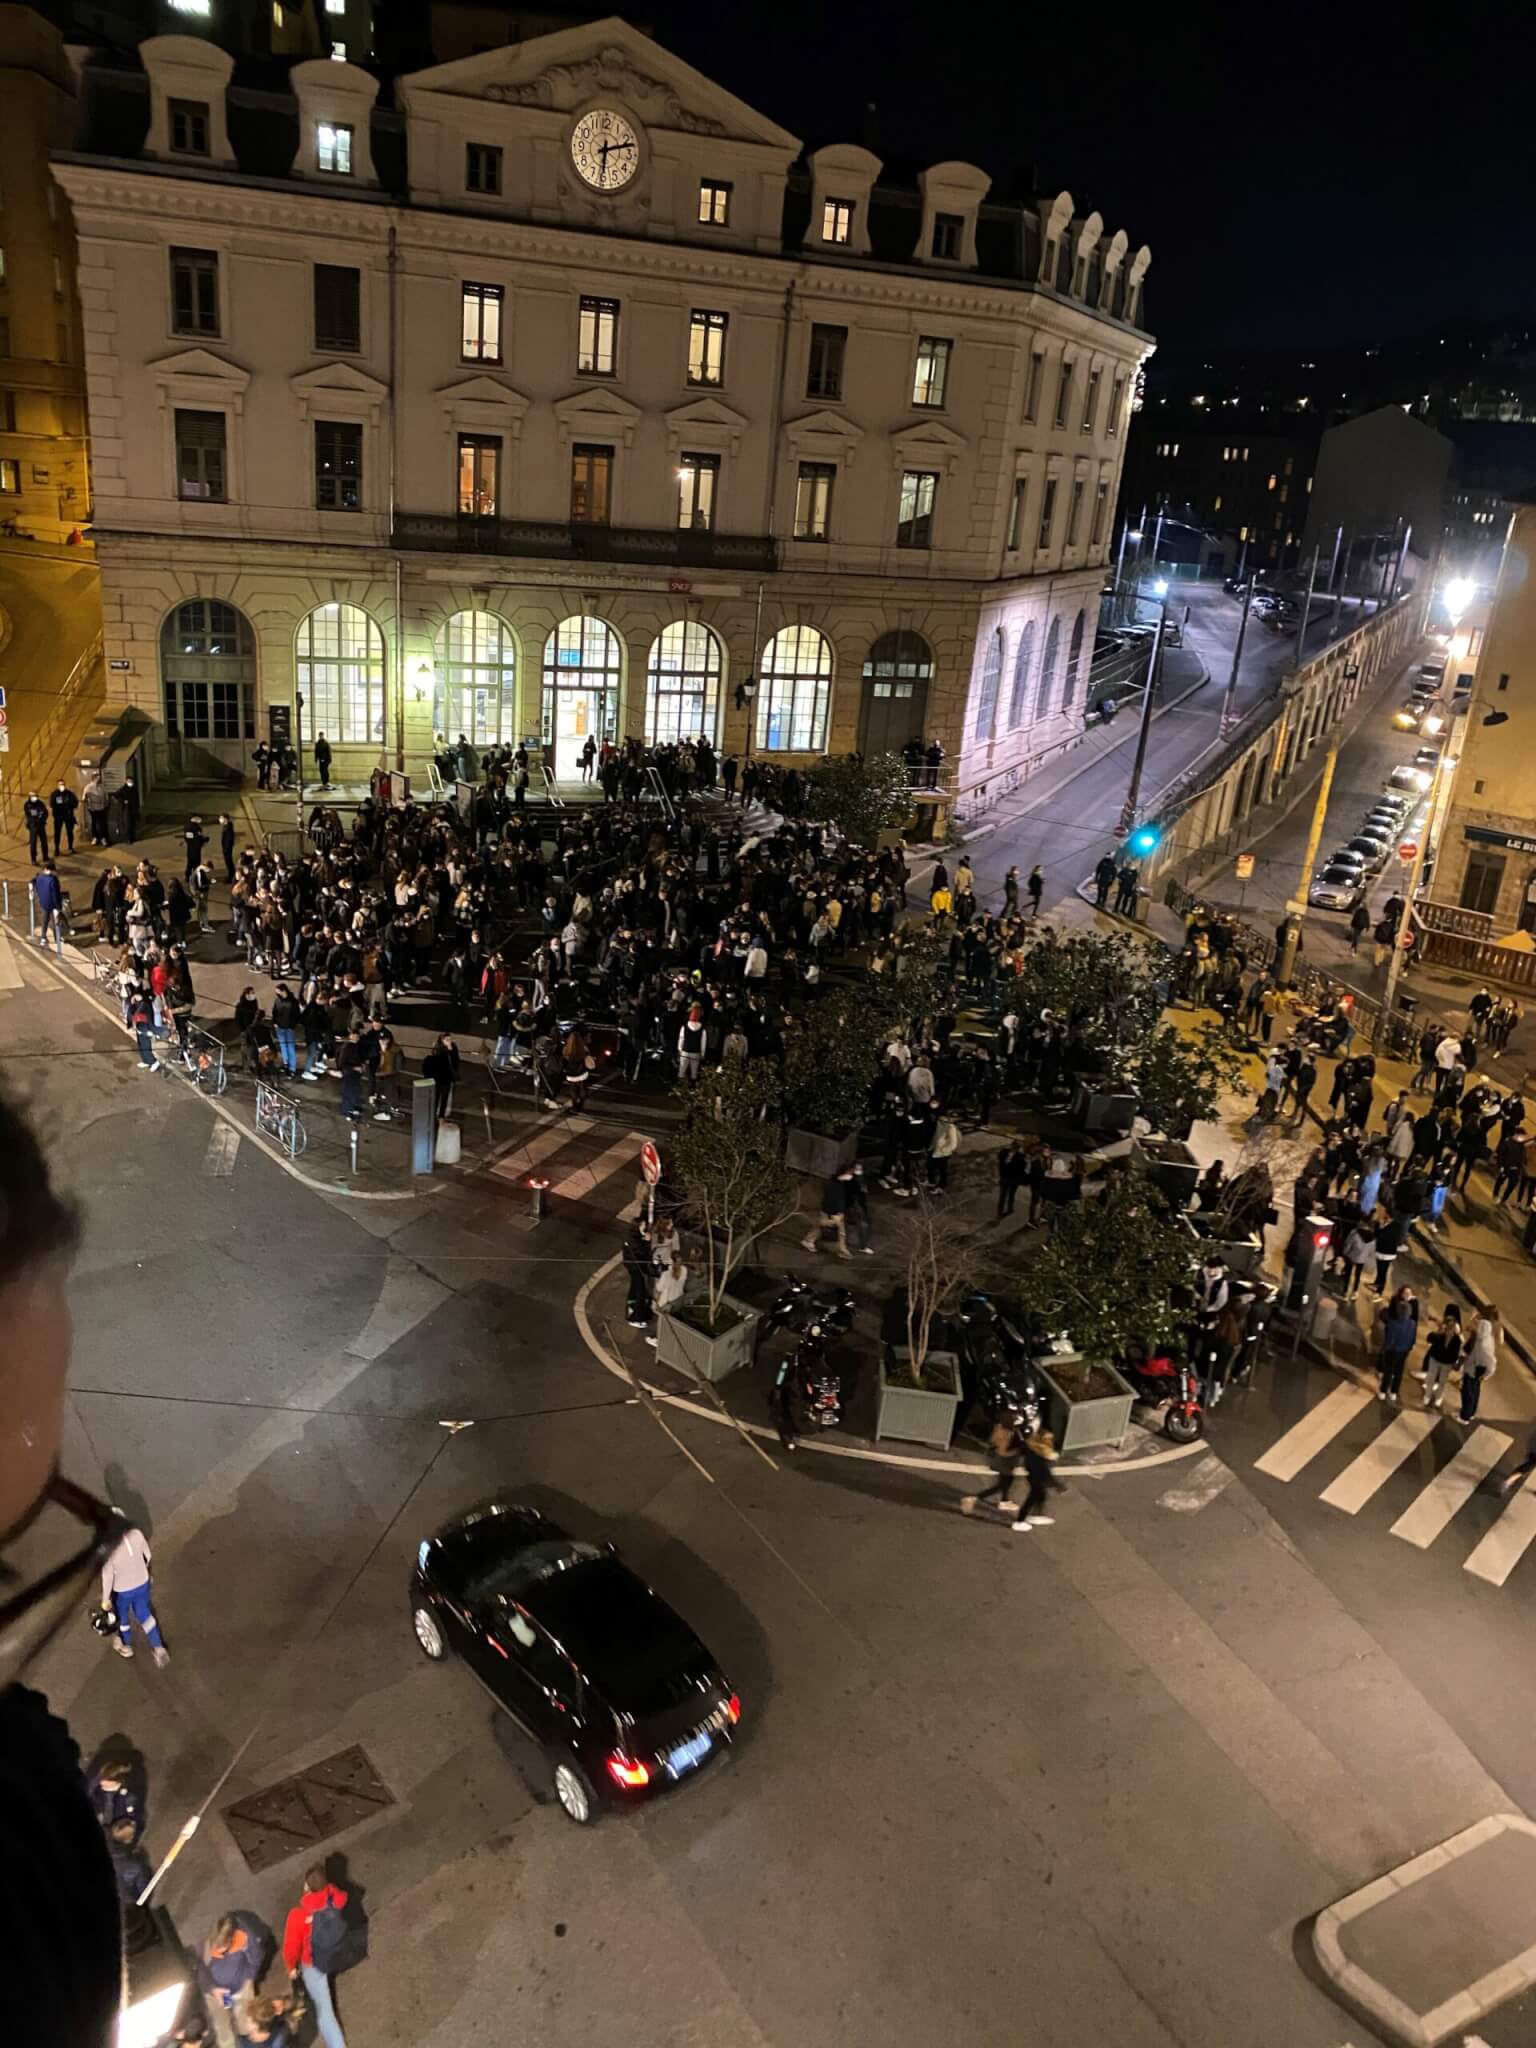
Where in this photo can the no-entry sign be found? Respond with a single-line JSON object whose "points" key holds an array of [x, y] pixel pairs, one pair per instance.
{"points": [[1407, 851], [650, 1163]]}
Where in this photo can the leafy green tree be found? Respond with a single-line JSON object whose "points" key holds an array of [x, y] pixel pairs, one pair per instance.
{"points": [[831, 1056], [1104, 1273], [727, 1155], [1178, 1077], [1104, 984], [861, 798]]}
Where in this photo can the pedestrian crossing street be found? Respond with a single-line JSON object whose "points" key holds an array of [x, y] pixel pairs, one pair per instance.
{"points": [[570, 1153], [1380, 1453]]}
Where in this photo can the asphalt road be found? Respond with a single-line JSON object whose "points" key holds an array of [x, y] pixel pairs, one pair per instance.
{"points": [[1081, 1786], [1068, 813]]}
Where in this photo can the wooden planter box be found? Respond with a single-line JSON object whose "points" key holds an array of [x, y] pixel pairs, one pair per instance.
{"points": [[681, 1344], [918, 1415], [1078, 1424], [1170, 1165], [1100, 1106], [817, 1153]]}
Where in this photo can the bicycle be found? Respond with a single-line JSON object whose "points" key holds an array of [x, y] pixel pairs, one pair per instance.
{"points": [[280, 1119]]}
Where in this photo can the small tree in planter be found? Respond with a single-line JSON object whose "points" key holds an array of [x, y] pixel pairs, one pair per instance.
{"points": [[830, 1060], [1102, 984], [1178, 1076], [918, 1400], [725, 1154], [861, 798]]}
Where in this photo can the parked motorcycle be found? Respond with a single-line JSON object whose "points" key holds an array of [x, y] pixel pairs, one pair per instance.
{"points": [[804, 1301], [817, 1381], [1173, 1385]]}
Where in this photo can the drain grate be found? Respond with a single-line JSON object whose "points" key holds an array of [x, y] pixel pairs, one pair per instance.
{"points": [[298, 1812]]}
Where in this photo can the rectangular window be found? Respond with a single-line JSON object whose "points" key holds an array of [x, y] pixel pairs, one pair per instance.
{"points": [[194, 291], [1481, 883], [714, 203], [824, 369], [200, 471], [813, 500], [914, 514], [597, 337], [1016, 511], [335, 6], [338, 314], [479, 475], [1063, 391], [591, 485], [480, 323], [1091, 401], [2, 265], [697, 478], [189, 127], [1047, 512], [5, 334], [10, 475], [233, 711], [836, 220], [339, 465], [58, 277], [7, 412], [1075, 510], [482, 167], [930, 373], [706, 348], [333, 148], [948, 235], [1032, 385], [1100, 510]]}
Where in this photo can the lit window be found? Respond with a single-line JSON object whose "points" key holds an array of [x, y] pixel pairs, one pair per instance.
{"points": [[931, 372], [10, 475], [339, 665], [1273, 481], [201, 8], [794, 691], [813, 500], [1216, 504], [836, 220], [482, 167], [333, 148], [714, 203], [338, 53], [597, 337], [914, 516], [481, 323], [479, 475], [335, 6], [591, 485], [1242, 533], [697, 477], [706, 348], [338, 465]]}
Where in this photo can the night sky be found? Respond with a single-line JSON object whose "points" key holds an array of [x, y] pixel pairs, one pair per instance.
{"points": [[1351, 178]]}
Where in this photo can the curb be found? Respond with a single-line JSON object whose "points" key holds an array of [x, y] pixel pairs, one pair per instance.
{"points": [[726, 1420]]}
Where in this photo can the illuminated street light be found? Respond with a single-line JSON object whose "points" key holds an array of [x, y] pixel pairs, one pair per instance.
{"points": [[1457, 595], [1160, 587]]}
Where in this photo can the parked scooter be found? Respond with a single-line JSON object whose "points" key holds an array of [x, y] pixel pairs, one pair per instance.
{"points": [[817, 1381], [1173, 1385], [804, 1301]]}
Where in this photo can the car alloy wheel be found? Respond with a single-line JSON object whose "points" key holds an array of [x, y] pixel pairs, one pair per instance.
{"points": [[428, 1634], [573, 1794]]}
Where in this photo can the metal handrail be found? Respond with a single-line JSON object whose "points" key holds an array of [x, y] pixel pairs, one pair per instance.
{"points": [[24, 771]]}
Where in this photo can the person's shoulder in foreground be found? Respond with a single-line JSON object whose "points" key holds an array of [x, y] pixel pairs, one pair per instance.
{"points": [[60, 1926]]}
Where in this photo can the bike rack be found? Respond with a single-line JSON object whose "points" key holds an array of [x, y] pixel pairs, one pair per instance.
{"points": [[206, 1058], [278, 1115]]}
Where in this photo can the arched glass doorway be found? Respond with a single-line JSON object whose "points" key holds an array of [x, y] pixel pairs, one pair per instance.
{"points": [[682, 684], [897, 672], [208, 675], [476, 691], [339, 664], [583, 669]]}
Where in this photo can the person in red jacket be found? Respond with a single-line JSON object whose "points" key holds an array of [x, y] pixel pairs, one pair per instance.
{"points": [[298, 1952]]}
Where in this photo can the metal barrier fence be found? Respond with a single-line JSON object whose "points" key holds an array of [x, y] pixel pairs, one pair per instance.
{"points": [[278, 1115]]}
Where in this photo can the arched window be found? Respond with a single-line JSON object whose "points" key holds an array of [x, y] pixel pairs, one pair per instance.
{"points": [[476, 690], [1074, 661], [582, 672], [1048, 669], [341, 673], [986, 695], [682, 684], [1021, 666], [208, 671], [793, 692]]}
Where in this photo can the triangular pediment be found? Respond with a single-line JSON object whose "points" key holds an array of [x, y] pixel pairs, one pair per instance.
{"points": [[334, 379], [481, 391], [929, 437], [202, 363], [827, 425], [597, 405], [575, 67], [707, 412]]}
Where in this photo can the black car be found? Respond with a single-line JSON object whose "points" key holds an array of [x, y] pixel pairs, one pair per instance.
{"points": [[616, 1689]]}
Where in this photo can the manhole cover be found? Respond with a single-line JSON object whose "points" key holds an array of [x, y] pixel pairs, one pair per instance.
{"points": [[298, 1812]]}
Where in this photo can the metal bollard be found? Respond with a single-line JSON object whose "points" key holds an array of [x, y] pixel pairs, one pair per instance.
{"points": [[490, 1133], [538, 1189], [352, 1135], [31, 915], [5, 891]]}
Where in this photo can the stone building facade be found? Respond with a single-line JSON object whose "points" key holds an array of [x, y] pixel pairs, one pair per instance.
{"points": [[564, 396]]}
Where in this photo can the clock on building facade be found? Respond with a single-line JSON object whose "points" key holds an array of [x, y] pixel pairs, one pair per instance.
{"points": [[605, 150]]}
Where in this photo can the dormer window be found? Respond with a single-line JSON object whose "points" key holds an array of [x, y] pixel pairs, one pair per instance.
{"points": [[333, 148], [189, 127], [837, 220], [482, 167], [948, 236]]}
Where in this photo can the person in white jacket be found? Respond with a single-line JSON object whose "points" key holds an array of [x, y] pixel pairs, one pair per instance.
{"points": [[1481, 1361], [125, 1594]]}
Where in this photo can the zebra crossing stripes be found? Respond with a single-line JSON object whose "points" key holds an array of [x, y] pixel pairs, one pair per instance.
{"points": [[1316, 1429], [1509, 1538], [1452, 1487], [582, 1180], [1358, 1482], [514, 1165], [560, 1153]]}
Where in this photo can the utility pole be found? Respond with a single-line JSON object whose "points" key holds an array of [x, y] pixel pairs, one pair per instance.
{"points": [[1410, 891], [1333, 566], [1157, 533], [1229, 702], [1306, 612], [1296, 910], [1340, 582], [1402, 560], [1120, 567], [1154, 671]]}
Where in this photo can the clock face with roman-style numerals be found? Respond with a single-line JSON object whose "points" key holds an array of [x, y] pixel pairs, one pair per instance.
{"points": [[605, 150]]}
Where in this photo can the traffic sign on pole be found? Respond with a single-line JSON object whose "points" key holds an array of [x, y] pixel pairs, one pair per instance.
{"points": [[1244, 866], [650, 1163], [1407, 851]]}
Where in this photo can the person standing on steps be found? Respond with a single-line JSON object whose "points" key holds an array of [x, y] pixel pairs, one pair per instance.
{"points": [[323, 760], [97, 798], [1036, 889], [125, 1593], [35, 814], [63, 804]]}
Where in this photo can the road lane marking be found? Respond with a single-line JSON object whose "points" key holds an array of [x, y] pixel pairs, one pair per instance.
{"points": [[1299, 1446], [515, 1164], [223, 1145], [1451, 1489], [1208, 1479], [1509, 1538], [1359, 1482], [587, 1179]]}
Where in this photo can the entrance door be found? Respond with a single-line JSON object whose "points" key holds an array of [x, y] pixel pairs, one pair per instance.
{"points": [[577, 715], [1481, 883], [895, 707]]}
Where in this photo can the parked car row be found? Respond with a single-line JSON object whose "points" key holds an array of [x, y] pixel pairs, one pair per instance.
{"points": [[1347, 873]]}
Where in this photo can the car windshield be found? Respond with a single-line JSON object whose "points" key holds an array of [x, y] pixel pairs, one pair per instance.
{"points": [[511, 1576], [1338, 877]]}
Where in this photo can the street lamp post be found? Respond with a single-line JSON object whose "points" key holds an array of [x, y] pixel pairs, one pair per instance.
{"points": [[1306, 610], [1126, 533], [1154, 670], [1229, 701]]}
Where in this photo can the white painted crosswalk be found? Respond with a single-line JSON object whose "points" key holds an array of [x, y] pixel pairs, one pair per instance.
{"points": [[1453, 1470], [560, 1150]]}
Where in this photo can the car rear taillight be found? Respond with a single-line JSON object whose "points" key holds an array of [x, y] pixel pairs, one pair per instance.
{"points": [[625, 1770], [733, 1708]]}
